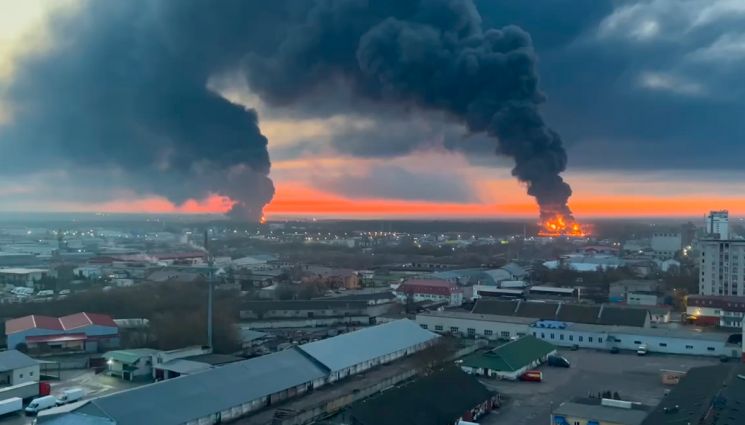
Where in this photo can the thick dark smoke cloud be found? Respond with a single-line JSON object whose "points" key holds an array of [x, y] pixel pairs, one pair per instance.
{"points": [[124, 92], [432, 55], [126, 89]]}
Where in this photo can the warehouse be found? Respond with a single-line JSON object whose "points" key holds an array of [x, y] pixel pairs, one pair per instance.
{"points": [[427, 401], [705, 395], [510, 360], [357, 351], [76, 332], [599, 411], [670, 340], [311, 309], [17, 368], [219, 394], [601, 314], [472, 325]]}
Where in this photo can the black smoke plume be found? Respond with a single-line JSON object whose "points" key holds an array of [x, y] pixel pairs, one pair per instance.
{"points": [[127, 89]]}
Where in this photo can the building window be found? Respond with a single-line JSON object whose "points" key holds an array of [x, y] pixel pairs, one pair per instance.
{"points": [[438, 327], [663, 344], [535, 334], [31, 374], [543, 335], [20, 375], [589, 339], [600, 339], [571, 337], [709, 348], [561, 337], [637, 342], [580, 338], [552, 336], [471, 331], [488, 332], [505, 334], [453, 329], [422, 325]]}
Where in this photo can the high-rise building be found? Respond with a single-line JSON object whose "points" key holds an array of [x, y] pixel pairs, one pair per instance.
{"points": [[717, 224], [722, 267]]}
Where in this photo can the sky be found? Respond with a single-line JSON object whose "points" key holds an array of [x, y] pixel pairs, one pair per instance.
{"points": [[646, 95]]}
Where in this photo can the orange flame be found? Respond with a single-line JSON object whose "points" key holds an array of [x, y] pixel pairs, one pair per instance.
{"points": [[262, 220], [560, 225]]}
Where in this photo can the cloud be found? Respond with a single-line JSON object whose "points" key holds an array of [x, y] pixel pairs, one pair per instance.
{"points": [[670, 83]]}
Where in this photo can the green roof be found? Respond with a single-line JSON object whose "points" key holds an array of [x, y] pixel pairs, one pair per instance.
{"points": [[511, 356], [129, 356]]}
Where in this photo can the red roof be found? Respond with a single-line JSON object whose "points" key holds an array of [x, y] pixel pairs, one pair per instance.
{"points": [[73, 321], [429, 286], [32, 322], [79, 320], [56, 338]]}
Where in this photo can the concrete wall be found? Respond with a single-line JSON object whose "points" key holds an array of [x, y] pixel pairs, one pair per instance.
{"points": [[605, 340], [473, 327], [25, 374], [309, 323]]}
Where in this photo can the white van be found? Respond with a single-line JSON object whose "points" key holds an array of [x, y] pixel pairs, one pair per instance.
{"points": [[642, 350], [41, 403], [70, 395]]}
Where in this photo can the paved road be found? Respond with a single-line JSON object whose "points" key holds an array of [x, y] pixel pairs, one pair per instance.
{"points": [[635, 378]]}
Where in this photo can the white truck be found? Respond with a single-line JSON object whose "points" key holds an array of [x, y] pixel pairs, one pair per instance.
{"points": [[70, 395], [22, 391], [11, 405], [41, 403]]}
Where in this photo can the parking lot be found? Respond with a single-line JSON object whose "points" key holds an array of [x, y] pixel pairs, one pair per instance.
{"points": [[635, 378], [94, 385]]}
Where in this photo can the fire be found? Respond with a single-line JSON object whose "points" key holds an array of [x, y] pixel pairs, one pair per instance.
{"points": [[560, 225], [262, 220]]}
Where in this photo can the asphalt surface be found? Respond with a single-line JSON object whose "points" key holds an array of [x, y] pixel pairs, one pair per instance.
{"points": [[94, 385], [636, 378]]}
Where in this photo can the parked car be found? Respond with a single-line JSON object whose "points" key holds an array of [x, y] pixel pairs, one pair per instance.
{"points": [[70, 395], [558, 361], [574, 347], [41, 403], [532, 376], [642, 350]]}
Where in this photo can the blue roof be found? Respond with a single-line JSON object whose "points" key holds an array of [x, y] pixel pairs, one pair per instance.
{"points": [[357, 347], [187, 398]]}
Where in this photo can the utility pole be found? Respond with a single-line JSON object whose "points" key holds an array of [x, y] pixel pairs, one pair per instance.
{"points": [[210, 285]]}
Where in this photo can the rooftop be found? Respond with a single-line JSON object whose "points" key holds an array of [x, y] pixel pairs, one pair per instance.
{"points": [[187, 398], [14, 359], [482, 317], [591, 408], [511, 356], [64, 323], [425, 401], [606, 314], [366, 344], [713, 392]]}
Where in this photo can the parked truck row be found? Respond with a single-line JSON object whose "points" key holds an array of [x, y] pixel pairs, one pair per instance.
{"points": [[12, 398]]}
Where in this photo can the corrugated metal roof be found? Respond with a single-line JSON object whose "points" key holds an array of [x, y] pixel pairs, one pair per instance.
{"points": [[357, 347], [14, 359], [592, 409], [183, 399]]}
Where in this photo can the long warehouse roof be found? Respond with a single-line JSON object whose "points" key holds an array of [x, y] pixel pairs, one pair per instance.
{"points": [[367, 344]]}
